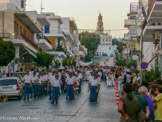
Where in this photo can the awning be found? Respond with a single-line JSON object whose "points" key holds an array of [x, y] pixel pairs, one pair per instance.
{"points": [[27, 20], [30, 52]]}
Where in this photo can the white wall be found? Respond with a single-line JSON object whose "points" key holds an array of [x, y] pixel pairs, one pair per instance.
{"points": [[148, 50], [17, 3], [66, 25], [54, 26]]}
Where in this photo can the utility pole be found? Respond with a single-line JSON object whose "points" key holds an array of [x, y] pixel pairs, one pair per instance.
{"points": [[41, 10]]}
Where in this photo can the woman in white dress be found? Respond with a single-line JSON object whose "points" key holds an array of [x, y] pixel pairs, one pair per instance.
{"points": [[109, 79]]}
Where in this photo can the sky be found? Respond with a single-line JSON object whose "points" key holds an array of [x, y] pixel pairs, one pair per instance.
{"points": [[85, 12]]}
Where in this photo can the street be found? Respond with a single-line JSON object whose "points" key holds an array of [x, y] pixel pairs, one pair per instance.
{"points": [[78, 110]]}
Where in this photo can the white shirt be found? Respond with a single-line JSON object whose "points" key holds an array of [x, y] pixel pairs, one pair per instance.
{"points": [[80, 76], [41, 79], [55, 82], [94, 82], [70, 81], [27, 78], [34, 79], [52, 77]]}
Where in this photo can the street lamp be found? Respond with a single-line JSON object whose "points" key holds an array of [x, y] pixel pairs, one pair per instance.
{"points": [[11, 35]]}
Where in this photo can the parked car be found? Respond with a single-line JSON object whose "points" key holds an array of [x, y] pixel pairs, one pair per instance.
{"points": [[11, 86], [20, 75]]}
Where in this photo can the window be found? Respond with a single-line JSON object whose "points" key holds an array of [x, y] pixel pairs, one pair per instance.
{"points": [[109, 48], [47, 29], [21, 31], [22, 3]]}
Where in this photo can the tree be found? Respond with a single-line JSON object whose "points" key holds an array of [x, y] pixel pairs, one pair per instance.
{"points": [[120, 47], [7, 52], [87, 58], [91, 42], [44, 59]]}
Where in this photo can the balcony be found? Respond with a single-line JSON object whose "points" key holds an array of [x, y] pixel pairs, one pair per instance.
{"points": [[129, 22], [133, 32], [20, 41], [56, 33], [134, 8], [148, 32], [44, 43], [154, 11], [31, 42]]}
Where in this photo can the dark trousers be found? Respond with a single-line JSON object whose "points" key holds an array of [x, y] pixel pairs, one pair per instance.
{"points": [[93, 93], [42, 89], [26, 91], [70, 92], [55, 94], [63, 86], [49, 91], [80, 87]]}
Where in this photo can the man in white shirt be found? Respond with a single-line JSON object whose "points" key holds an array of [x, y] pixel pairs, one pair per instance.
{"points": [[94, 85], [70, 87], [50, 77], [27, 83], [56, 84], [34, 78]]}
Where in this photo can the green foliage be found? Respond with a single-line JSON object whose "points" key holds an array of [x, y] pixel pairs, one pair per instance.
{"points": [[68, 62], [7, 52], [152, 75], [132, 62], [135, 71], [87, 58], [120, 47], [90, 41], [44, 59], [120, 62]]}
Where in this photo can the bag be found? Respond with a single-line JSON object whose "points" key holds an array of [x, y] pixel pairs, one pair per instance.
{"points": [[141, 116]]}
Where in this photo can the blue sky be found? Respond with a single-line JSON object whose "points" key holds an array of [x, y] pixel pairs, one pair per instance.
{"points": [[85, 12]]}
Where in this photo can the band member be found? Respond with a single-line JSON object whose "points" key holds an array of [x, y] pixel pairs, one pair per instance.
{"points": [[94, 85], [56, 83], [34, 79], [27, 84], [80, 77], [70, 87]]}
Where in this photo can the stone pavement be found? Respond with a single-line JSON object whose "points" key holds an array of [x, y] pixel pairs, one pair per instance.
{"points": [[78, 110]]}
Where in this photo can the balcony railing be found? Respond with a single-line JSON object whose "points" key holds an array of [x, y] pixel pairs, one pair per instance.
{"points": [[151, 4], [31, 42], [134, 8], [5, 35], [130, 22]]}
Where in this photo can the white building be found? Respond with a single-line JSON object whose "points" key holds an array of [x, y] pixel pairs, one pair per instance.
{"points": [[20, 4], [105, 47]]}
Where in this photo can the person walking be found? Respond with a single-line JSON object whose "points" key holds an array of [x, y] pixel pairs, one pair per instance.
{"points": [[56, 83], [70, 87], [27, 84], [94, 85]]}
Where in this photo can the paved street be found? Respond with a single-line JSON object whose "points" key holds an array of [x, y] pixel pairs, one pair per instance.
{"points": [[78, 110]]}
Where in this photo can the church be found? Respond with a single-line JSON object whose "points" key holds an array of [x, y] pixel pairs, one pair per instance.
{"points": [[105, 47]]}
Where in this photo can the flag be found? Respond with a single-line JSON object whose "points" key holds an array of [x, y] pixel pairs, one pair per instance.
{"points": [[143, 9]]}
